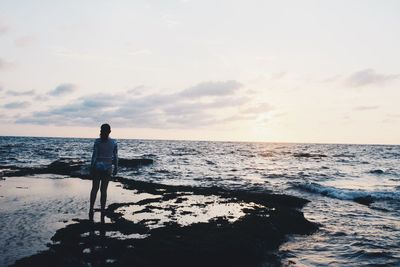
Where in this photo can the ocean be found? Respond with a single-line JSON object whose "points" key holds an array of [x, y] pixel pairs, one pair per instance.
{"points": [[354, 190]]}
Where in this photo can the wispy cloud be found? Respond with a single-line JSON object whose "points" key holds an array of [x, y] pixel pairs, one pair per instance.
{"points": [[20, 93], [278, 75], [259, 108], [41, 98], [204, 104], [137, 90], [24, 41], [363, 108], [212, 89], [369, 77], [17, 105], [140, 52], [63, 89], [331, 79], [3, 27], [4, 64], [74, 54], [169, 20], [394, 115]]}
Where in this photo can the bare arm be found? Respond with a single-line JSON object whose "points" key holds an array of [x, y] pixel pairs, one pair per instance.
{"points": [[94, 155], [115, 158]]}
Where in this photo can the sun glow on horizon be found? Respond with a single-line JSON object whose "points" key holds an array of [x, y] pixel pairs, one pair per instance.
{"points": [[253, 71]]}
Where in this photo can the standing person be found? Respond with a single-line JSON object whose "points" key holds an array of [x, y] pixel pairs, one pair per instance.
{"points": [[105, 154]]}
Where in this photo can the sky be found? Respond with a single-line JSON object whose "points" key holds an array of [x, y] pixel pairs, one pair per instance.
{"points": [[270, 71]]}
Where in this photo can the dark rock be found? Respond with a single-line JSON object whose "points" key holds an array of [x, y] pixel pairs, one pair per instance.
{"points": [[66, 166], [134, 163], [69, 166], [263, 198], [251, 240], [22, 171], [377, 171], [367, 200], [63, 166], [309, 155]]}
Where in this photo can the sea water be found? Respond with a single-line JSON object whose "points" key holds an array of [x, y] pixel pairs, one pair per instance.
{"points": [[333, 177]]}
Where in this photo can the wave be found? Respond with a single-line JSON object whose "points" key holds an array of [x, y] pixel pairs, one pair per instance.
{"points": [[185, 151], [360, 196], [390, 172], [309, 155], [344, 155], [267, 154]]}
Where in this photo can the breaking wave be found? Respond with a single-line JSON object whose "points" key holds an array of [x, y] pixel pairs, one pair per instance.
{"points": [[348, 194]]}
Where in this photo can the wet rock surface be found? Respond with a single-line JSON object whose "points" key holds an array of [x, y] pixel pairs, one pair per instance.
{"points": [[365, 200], [242, 229], [134, 163], [69, 166]]}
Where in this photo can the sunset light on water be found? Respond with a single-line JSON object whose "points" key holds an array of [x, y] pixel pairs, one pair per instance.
{"points": [[199, 133]]}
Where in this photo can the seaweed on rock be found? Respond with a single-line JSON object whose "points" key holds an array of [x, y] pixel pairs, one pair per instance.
{"points": [[250, 240]]}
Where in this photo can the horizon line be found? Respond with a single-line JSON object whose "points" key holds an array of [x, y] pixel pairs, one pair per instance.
{"points": [[199, 140]]}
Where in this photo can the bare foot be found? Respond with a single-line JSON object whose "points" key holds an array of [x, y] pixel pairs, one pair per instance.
{"points": [[91, 214]]}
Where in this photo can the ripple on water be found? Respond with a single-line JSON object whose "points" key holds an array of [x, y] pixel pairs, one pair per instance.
{"points": [[339, 172]]}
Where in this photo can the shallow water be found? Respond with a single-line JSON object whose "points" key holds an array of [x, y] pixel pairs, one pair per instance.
{"points": [[186, 210], [331, 176], [32, 208]]}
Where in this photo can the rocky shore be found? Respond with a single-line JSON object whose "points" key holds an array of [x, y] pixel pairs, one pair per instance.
{"points": [[175, 226]]}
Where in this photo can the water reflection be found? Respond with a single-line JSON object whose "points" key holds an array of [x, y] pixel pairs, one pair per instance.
{"points": [[185, 210], [308, 170]]}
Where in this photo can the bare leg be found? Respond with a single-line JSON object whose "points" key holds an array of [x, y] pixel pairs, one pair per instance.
{"points": [[103, 191], [93, 194]]}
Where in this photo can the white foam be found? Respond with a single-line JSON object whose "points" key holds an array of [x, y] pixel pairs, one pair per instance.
{"points": [[348, 194]]}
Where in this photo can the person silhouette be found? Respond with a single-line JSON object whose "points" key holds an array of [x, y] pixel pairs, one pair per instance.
{"points": [[105, 155]]}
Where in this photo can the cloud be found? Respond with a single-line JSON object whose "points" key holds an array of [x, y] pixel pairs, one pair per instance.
{"points": [[41, 98], [24, 41], [278, 75], [17, 105], [74, 54], [369, 77], [5, 64], [394, 116], [332, 79], [169, 20], [140, 52], [391, 118], [196, 107], [363, 108], [186, 108], [212, 89], [3, 28], [138, 90], [239, 117], [260, 108], [23, 93], [63, 89]]}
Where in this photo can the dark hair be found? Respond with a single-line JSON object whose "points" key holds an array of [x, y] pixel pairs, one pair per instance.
{"points": [[105, 131]]}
